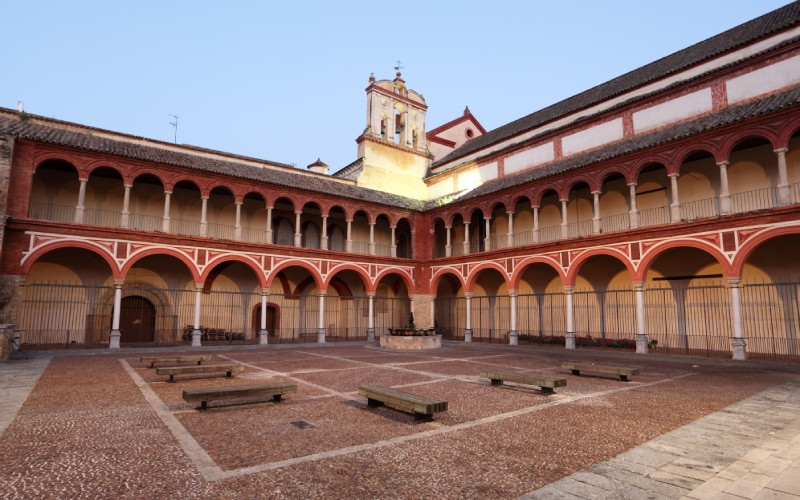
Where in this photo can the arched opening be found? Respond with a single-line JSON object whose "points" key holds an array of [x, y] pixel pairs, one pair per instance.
{"points": [[580, 211], [104, 198], [614, 206], [604, 304], [403, 239], [221, 213], [699, 186], [186, 207], [490, 308], [541, 307], [392, 304], [753, 175], [549, 217], [449, 318], [283, 221], [311, 222], [254, 218], [146, 204], [687, 305], [652, 195], [336, 229], [54, 191], [770, 300]]}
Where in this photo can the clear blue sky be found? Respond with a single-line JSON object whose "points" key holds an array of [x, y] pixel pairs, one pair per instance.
{"points": [[285, 81]]}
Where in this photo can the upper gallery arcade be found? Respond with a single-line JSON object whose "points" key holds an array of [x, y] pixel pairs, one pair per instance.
{"points": [[684, 169]]}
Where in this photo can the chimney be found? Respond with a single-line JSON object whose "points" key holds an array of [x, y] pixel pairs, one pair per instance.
{"points": [[20, 107], [318, 167]]}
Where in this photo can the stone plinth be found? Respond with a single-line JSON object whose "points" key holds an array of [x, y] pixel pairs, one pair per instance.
{"points": [[402, 342]]}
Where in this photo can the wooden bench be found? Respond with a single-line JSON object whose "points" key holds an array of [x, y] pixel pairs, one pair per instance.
{"points": [[206, 394], [227, 369], [423, 407], [546, 382], [174, 359], [623, 371]]}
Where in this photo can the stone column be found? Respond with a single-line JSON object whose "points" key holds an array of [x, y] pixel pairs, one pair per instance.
{"points": [[564, 218], [510, 234], [536, 230], [784, 191], [633, 215], [165, 220], [298, 233], [487, 240], [115, 333], [237, 228], [569, 337], [348, 242], [641, 334], [448, 248], [737, 342], [466, 237], [468, 307], [596, 229], [675, 206], [268, 230], [321, 325], [263, 334], [513, 335], [198, 300], [393, 245], [371, 316], [323, 237], [204, 216], [372, 238], [80, 208], [724, 193], [125, 216]]}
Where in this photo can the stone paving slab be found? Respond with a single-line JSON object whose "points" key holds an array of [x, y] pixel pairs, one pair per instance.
{"points": [[749, 450], [18, 376]]}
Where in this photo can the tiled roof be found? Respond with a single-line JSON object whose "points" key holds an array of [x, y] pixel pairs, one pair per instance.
{"points": [[759, 27], [46, 130], [733, 114]]}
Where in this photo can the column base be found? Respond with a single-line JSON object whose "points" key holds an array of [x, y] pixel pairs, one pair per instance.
{"points": [[321, 336], [370, 334], [114, 341], [196, 334], [569, 340], [738, 347], [263, 337], [513, 337], [468, 335], [641, 344]]}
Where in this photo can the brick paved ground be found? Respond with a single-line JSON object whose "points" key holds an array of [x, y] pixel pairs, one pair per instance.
{"points": [[102, 425]]}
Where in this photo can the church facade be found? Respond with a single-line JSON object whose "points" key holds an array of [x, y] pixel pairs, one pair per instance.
{"points": [[657, 211]]}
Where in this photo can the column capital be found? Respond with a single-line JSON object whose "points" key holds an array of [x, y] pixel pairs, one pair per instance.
{"points": [[596, 192], [204, 197], [467, 295], [265, 292], [323, 293], [371, 295], [448, 227], [119, 283], [734, 281], [781, 150], [238, 202], [723, 164], [127, 186], [536, 207], [198, 287], [569, 288], [167, 192], [638, 285], [632, 184], [674, 174], [513, 292]]}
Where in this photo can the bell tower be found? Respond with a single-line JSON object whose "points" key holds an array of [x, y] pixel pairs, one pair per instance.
{"points": [[393, 148]]}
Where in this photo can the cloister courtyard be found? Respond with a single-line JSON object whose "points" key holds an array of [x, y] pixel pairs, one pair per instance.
{"points": [[101, 424]]}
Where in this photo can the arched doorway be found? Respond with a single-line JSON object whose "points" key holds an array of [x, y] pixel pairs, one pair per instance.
{"points": [[137, 319]]}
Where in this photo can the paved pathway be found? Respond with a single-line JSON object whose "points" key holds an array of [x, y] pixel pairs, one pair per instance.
{"points": [[17, 378], [750, 449]]}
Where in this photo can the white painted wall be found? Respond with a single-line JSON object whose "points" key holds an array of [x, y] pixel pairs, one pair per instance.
{"points": [[672, 111], [592, 137]]}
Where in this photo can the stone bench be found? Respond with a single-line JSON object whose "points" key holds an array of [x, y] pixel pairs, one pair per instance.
{"points": [[173, 359], [423, 407], [545, 382], [206, 394], [623, 371], [227, 369]]}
